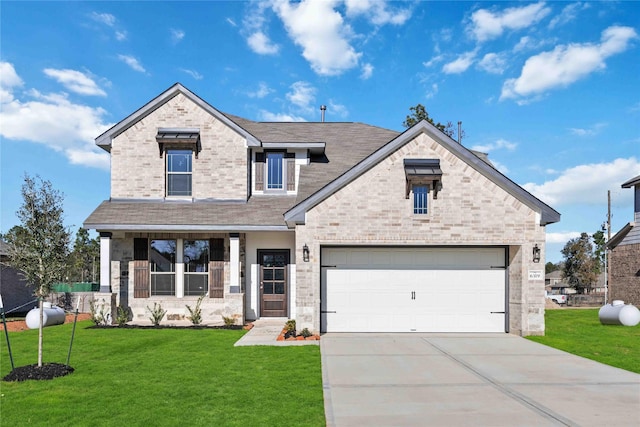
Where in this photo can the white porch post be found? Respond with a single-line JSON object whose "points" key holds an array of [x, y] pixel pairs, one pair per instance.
{"points": [[234, 262], [105, 262], [179, 267]]}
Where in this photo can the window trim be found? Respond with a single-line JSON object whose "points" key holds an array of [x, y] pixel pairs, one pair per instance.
{"points": [[170, 151]]}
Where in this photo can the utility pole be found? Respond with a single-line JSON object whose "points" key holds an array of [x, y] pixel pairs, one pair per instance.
{"points": [[606, 257]]}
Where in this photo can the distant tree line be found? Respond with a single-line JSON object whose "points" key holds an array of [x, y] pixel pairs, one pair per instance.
{"points": [[583, 261]]}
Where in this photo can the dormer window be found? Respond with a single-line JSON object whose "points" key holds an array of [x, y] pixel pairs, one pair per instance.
{"points": [[275, 171], [275, 180]]}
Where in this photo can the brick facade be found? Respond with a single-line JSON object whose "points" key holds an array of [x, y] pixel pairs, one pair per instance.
{"points": [[624, 282], [469, 210], [136, 152]]}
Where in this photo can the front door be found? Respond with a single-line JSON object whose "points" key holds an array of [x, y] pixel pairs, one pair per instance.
{"points": [[274, 284]]}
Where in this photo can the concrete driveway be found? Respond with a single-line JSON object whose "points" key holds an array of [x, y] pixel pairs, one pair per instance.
{"points": [[469, 380]]}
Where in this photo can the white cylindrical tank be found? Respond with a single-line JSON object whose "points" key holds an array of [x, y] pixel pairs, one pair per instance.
{"points": [[52, 315], [619, 313]]}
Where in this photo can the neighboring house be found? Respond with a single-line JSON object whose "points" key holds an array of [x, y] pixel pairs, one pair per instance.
{"points": [[340, 226], [556, 284], [16, 295], [624, 255]]}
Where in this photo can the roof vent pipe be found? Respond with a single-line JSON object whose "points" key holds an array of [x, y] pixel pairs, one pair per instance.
{"points": [[323, 108]]}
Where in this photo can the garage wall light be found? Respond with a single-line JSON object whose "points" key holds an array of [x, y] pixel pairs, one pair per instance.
{"points": [[305, 253], [536, 253]]}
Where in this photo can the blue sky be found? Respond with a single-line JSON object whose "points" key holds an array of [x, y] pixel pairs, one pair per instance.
{"points": [[551, 90]]}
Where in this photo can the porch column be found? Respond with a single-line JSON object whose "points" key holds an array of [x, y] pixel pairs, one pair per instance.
{"points": [[234, 263], [105, 262]]}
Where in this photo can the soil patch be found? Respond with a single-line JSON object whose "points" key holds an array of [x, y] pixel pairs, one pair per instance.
{"points": [[47, 371]]}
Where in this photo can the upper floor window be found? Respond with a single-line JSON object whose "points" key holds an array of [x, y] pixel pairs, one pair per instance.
{"points": [[420, 198], [179, 172], [275, 171]]}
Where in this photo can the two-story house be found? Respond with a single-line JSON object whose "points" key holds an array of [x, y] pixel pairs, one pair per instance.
{"points": [[340, 226]]}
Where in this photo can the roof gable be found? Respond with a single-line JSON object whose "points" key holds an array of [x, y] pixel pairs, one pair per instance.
{"points": [[104, 140], [296, 215]]}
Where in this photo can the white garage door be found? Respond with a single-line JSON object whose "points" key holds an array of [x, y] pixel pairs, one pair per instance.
{"points": [[413, 289]]}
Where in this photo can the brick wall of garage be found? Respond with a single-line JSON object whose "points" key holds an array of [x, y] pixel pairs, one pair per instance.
{"points": [[624, 283], [470, 210], [219, 172]]}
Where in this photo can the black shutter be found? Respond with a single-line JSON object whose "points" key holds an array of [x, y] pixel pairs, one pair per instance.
{"points": [[260, 159]]}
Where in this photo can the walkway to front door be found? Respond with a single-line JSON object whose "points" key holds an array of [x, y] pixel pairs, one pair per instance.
{"points": [[274, 284]]}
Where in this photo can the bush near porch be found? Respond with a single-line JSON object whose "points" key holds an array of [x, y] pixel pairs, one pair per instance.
{"points": [[579, 331], [162, 377]]}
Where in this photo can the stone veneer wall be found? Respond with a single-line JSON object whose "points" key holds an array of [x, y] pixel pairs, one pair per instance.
{"points": [[223, 157], [470, 210], [624, 283]]}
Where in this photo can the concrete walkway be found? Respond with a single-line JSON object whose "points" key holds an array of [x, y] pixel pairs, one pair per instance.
{"points": [[265, 331], [469, 380]]}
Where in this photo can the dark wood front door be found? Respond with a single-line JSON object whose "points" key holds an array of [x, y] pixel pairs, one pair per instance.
{"points": [[274, 283]]}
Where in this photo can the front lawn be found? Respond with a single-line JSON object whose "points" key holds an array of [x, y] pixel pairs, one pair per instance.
{"points": [[580, 332], [162, 377]]}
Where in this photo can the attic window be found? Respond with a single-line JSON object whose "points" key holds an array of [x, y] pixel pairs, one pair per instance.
{"points": [[423, 172], [179, 138]]}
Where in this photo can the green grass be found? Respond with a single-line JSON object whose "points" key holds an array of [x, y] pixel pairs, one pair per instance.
{"points": [[580, 332], [163, 377]]}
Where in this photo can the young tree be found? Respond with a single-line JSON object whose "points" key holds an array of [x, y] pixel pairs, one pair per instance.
{"points": [[598, 253], [578, 265], [40, 245], [419, 113], [84, 260]]}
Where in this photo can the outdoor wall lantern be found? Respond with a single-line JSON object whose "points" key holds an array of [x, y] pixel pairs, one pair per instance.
{"points": [[536, 253], [305, 253]]}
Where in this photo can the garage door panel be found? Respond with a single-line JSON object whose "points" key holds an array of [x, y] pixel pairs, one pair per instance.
{"points": [[411, 289]]}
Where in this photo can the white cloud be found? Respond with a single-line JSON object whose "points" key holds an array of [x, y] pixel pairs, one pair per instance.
{"points": [[54, 121], [261, 44], [9, 79], [110, 21], [262, 91], [493, 63], [231, 22], [104, 18], [566, 64], [499, 144], [268, 116], [433, 61], [460, 64], [377, 11], [487, 25], [592, 131], [75, 81], [302, 95], [176, 35], [569, 13], [367, 71], [561, 237], [132, 62], [432, 91], [321, 33], [193, 73], [337, 109], [577, 184]]}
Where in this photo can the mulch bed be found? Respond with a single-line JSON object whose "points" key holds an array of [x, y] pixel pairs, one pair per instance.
{"points": [[47, 371]]}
